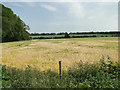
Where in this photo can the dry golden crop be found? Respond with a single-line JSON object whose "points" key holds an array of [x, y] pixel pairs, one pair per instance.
{"points": [[45, 54]]}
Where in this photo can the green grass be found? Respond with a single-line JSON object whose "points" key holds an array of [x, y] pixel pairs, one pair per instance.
{"points": [[84, 75]]}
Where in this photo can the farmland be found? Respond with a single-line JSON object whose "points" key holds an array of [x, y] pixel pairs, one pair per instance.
{"points": [[45, 54], [86, 62], [63, 49]]}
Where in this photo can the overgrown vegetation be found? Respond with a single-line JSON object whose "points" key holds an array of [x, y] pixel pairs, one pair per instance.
{"points": [[13, 28], [99, 75]]}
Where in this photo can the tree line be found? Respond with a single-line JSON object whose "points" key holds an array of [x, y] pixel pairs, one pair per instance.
{"points": [[76, 33], [13, 28]]}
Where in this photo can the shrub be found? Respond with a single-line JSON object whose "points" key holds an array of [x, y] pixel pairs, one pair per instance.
{"points": [[85, 75]]}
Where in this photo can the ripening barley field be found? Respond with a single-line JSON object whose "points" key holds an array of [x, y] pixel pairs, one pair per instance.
{"points": [[45, 54]]}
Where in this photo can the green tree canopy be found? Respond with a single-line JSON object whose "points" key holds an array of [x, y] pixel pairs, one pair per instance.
{"points": [[13, 28]]}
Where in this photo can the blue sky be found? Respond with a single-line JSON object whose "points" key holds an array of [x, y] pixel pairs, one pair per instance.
{"points": [[67, 16]]}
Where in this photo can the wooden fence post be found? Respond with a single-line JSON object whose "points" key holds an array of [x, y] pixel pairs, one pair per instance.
{"points": [[60, 69]]}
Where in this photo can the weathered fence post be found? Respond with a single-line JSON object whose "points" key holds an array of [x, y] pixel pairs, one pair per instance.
{"points": [[60, 69]]}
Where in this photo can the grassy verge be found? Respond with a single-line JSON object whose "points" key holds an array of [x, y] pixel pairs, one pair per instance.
{"points": [[99, 75]]}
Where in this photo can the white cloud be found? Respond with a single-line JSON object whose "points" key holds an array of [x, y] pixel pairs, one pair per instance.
{"points": [[20, 4], [31, 4], [15, 4], [27, 0], [49, 7], [59, 1], [77, 10]]}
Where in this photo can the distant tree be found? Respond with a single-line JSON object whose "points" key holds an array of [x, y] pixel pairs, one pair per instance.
{"points": [[67, 35]]}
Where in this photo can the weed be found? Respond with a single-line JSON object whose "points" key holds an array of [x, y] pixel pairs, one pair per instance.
{"points": [[85, 75]]}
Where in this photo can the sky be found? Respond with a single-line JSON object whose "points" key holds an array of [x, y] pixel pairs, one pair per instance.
{"points": [[44, 17]]}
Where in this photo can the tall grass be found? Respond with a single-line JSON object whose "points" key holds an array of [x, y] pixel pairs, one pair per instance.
{"points": [[39, 53], [99, 75]]}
